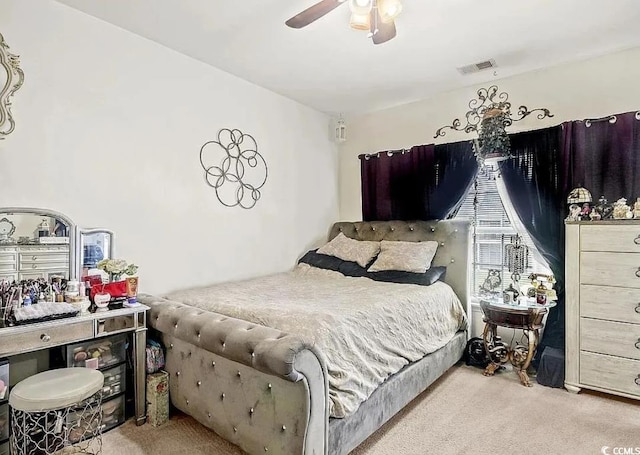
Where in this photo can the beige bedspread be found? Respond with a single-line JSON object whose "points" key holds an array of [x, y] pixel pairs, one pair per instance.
{"points": [[367, 330]]}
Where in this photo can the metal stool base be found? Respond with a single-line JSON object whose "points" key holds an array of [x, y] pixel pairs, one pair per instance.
{"points": [[74, 429]]}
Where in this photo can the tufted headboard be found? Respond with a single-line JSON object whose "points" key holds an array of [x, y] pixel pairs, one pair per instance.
{"points": [[454, 237]]}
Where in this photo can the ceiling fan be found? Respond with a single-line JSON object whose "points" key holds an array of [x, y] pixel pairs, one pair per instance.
{"points": [[375, 16]]}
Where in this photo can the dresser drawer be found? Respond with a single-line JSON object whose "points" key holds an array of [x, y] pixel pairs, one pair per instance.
{"points": [[623, 238], [610, 269], [36, 258], [34, 267], [612, 338], [33, 338], [610, 303], [609, 372]]}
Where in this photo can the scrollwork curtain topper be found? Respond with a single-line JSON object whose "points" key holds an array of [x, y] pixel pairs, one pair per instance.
{"points": [[234, 168]]}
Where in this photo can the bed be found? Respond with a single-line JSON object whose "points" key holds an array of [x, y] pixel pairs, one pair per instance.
{"points": [[274, 390]]}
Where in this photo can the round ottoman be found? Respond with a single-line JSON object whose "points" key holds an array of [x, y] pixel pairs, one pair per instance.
{"points": [[57, 409]]}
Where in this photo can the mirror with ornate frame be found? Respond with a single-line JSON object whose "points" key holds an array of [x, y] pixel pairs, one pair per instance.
{"points": [[36, 243], [11, 79]]}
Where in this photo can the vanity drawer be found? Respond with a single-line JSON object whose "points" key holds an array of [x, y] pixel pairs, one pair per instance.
{"points": [[115, 381], [613, 373], [33, 338], [108, 351], [48, 256], [610, 269], [612, 338], [610, 303]]}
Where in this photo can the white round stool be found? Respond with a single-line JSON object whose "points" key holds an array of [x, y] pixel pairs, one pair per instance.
{"points": [[55, 410]]}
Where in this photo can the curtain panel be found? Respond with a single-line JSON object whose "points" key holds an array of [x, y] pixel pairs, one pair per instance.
{"points": [[424, 183]]}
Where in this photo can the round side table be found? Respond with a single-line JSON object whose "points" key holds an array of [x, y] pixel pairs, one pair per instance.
{"points": [[526, 316]]}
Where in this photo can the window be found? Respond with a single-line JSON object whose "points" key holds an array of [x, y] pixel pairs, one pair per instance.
{"points": [[493, 232]]}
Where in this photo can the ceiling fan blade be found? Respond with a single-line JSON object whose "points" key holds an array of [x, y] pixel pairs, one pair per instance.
{"points": [[313, 13], [381, 32]]}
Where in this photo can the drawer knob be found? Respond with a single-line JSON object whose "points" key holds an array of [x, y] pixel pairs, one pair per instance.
{"points": [[638, 344], [34, 258], [638, 308], [637, 380], [638, 272], [45, 338], [637, 240], [35, 267]]}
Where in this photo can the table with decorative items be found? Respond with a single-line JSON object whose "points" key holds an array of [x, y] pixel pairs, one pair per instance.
{"points": [[525, 314]]}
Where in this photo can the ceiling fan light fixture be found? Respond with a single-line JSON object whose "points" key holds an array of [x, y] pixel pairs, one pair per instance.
{"points": [[360, 7], [360, 21], [389, 9]]}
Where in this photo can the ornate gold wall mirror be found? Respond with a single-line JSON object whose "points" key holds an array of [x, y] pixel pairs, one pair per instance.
{"points": [[11, 78]]}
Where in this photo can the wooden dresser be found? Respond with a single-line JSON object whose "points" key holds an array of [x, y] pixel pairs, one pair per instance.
{"points": [[603, 307], [24, 262]]}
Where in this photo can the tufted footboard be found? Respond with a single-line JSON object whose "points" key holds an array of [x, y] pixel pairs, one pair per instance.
{"points": [[260, 388]]}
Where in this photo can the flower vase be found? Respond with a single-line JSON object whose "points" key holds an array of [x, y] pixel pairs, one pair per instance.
{"points": [[113, 277]]}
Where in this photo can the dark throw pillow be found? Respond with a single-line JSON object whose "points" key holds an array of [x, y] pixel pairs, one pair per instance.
{"points": [[353, 269]]}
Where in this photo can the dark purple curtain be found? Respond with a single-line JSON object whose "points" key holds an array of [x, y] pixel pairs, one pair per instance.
{"points": [[538, 181], [605, 157], [427, 182]]}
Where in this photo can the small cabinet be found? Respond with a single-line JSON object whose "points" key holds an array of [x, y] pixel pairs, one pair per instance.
{"points": [[115, 381]]}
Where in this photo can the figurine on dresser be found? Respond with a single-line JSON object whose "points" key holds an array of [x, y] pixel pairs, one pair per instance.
{"points": [[621, 211]]}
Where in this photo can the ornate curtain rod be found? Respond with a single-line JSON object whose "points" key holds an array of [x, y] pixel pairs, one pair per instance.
{"points": [[368, 156], [609, 118]]}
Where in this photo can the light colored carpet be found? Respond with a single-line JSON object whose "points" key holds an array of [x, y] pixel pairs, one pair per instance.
{"points": [[462, 413]]}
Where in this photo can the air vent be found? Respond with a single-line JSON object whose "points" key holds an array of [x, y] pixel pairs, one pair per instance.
{"points": [[476, 67]]}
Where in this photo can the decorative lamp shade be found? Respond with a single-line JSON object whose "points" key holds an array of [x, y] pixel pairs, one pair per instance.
{"points": [[579, 195]]}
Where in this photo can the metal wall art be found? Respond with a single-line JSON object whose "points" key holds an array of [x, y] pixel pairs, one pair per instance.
{"points": [[489, 114], [11, 79], [234, 168]]}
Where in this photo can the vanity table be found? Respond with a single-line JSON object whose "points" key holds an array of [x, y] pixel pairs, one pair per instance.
{"points": [[85, 328]]}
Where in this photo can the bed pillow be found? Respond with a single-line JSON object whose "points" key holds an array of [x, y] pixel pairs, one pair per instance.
{"points": [[348, 249], [352, 269], [412, 257]]}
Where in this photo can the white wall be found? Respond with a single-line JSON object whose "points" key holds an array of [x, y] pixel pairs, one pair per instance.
{"points": [[585, 89], [109, 126]]}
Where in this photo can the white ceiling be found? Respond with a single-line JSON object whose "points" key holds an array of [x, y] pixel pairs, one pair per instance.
{"points": [[335, 69]]}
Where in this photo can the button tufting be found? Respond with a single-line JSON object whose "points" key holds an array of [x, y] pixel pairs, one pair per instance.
{"points": [[235, 430], [198, 334], [453, 260], [171, 346], [392, 229], [269, 386], [223, 344], [266, 449], [251, 411], [238, 373], [222, 396], [199, 383], [340, 229], [187, 402], [175, 326], [455, 230], [213, 363], [283, 428], [411, 228], [433, 229], [209, 414], [253, 354], [177, 373], [441, 243], [373, 228]]}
